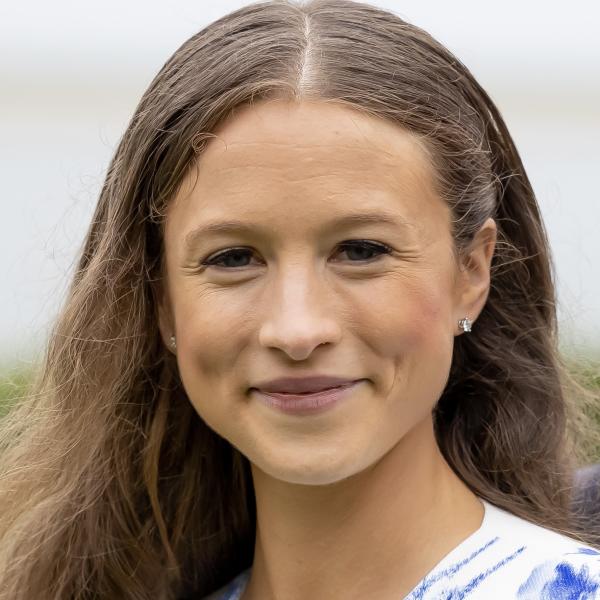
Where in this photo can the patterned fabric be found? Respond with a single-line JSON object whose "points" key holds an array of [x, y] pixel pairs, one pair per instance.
{"points": [[506, 558], [233, 590]]}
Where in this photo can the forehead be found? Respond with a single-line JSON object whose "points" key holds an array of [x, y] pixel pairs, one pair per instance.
{"points": [[295, 135], [306, 159]]}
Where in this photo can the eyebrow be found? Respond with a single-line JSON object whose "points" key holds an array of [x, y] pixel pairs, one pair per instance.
{"points": [[345, 222]]}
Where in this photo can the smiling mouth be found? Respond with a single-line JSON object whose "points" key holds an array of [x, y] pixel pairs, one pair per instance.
{"points": [[306, 403], [308, 393], [311, 393]]}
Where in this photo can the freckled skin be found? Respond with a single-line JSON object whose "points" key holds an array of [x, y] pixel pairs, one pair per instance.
{"points": [[363, 483]]}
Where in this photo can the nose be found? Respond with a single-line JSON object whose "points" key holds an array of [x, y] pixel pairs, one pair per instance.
{"points": [[299, 316]]}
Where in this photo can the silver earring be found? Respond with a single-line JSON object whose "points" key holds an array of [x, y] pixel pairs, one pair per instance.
{"points": [[465, 324], [173, 342]]}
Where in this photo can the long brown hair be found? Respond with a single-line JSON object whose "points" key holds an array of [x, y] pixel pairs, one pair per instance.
{"points": [[112, 486]]}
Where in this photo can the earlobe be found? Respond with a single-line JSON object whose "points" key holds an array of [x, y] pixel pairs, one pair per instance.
{"points": [[165, 321], [476, 271]]}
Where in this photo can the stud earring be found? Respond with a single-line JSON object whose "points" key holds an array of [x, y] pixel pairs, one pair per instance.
{"points": [[465, 324], [173, 342]]}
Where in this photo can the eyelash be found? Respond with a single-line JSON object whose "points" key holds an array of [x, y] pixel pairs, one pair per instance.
{"points": [[211, 261]]}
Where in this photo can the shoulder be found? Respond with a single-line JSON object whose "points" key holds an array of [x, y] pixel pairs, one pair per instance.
{"points": [[538, 541], [540, 562], [512, 558]]}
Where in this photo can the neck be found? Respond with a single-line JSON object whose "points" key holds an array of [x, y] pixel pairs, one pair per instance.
{"points": [[375, 534]]}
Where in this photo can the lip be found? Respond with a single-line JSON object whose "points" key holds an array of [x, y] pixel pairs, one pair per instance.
{"points": [[307, 404], [302, 385]]}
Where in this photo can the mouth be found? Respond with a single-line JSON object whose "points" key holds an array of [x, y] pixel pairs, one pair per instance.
{"points": [[311, 393], [299, 386], [306, 403]]}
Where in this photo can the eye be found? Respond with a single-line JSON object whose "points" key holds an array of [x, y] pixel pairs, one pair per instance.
{"points": [[235, 256], [365, 250]]}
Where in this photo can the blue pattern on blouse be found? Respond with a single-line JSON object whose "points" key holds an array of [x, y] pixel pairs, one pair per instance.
{"points": [[565, 583], [461, 593], [419, 592]]}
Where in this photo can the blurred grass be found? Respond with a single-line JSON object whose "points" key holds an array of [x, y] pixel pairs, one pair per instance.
{"points": [[13, 384], [586, 373]]}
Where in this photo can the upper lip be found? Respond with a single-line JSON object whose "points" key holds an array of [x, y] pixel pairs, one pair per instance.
{"points": [[295, 385]]}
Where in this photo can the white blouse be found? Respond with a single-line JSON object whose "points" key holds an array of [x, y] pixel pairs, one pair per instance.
{"points": [[506, 558]]}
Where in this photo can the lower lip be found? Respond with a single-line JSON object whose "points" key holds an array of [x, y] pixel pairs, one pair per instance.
{"points": [[307, 404]]}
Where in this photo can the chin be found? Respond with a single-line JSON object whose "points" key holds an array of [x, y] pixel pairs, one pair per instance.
{"points": [[312, 474]]}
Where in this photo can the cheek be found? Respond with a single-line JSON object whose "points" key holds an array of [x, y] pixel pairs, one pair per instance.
{"points": [[410, 315], [410, 329], [208, 343], [205, 324]]}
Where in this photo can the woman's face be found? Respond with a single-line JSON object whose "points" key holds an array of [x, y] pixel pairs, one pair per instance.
{"points": [[299, 297]]}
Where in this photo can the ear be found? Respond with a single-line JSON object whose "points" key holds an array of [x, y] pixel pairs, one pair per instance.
{"points": [[474, 277], [166, 322]]}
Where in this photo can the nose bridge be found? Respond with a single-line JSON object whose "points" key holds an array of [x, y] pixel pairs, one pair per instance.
{"points": [[297, 277], [297, 309]]}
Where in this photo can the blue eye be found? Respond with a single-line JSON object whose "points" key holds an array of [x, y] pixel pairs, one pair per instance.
{"points": [[235, 256]]}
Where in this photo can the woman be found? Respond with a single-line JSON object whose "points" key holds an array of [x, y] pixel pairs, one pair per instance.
{"points": [[307, 197]]}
